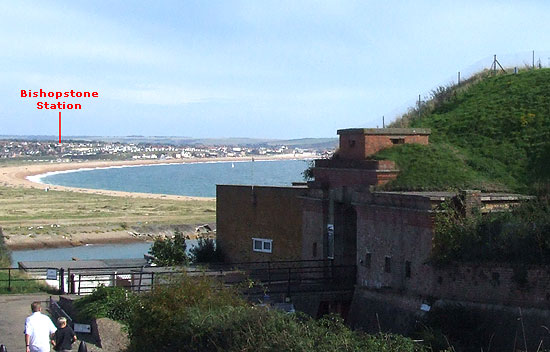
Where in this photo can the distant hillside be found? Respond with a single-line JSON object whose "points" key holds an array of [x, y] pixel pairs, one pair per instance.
{"points": [[491, 133]]}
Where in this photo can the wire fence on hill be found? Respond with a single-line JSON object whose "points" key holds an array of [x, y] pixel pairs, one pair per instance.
{"points": [[496, 64]]}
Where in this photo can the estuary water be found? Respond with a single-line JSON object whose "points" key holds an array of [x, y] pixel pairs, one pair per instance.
{"points": [[193, 179], [91, 251]]}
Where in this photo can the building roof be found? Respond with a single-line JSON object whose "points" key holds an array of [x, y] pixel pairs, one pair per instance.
{"points": [[386, 131]]}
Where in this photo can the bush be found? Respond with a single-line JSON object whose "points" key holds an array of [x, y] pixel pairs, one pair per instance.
{"points": [[169, 252], [107, 302], [521, 236], [192, 315], [5, 255], [206, 251]]}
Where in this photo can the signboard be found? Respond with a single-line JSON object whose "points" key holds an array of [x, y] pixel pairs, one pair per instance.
{"points": [[85, 328], [330, 241], [51, 274]]}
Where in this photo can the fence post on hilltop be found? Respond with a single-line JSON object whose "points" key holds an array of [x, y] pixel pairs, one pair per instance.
{"points": [[9, 279]]}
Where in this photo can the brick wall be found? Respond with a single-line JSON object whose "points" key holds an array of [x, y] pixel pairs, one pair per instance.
{"points": [[361, 144], [314, 229], [495, 284], [388, 238], [244, 212]]}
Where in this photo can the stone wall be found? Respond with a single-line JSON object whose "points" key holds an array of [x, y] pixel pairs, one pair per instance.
{"points": [[246, 212]]}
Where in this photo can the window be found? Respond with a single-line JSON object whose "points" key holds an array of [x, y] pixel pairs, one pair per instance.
{"points": [[368, 257], [262, 245], [398, 140], [387, 264], [351, 143], [314, 250], [407, 269]]}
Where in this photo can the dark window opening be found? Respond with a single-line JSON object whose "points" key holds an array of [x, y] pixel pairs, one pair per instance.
{"points": [[407, 269], [351, 143], [314, 249], [368, 257], [398, 140], [387, 264]]}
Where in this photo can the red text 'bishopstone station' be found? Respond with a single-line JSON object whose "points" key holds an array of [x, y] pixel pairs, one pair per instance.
{"points": [[57, 95]]}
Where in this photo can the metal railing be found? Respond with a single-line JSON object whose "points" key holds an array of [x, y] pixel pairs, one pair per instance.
{"points": [[12, 278], [285, 277]]}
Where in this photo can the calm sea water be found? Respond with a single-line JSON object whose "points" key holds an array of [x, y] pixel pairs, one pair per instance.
{"points": [[92, 251], [198, 179]]}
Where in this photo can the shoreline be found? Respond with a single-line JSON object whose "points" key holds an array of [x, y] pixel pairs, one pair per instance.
{"points": [[25, 175], [17, 176], [79, 240]]}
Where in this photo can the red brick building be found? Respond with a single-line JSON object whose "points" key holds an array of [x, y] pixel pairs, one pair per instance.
{"points": [[387, 235]]}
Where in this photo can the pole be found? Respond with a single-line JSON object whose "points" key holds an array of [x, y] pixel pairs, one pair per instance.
{"points": [[458, 77], [383, 122], [418, 105], [61, 281], [533, 59], [9, 279]]}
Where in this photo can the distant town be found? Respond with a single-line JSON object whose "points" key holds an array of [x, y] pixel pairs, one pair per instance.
{"points": [[100, 150]]}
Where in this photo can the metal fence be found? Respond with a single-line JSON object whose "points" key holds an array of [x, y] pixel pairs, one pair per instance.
{"points": [[251, 278], [14, 278]]}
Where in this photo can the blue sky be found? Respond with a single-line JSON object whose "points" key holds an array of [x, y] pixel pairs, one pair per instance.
{"points": [[269, 69]]}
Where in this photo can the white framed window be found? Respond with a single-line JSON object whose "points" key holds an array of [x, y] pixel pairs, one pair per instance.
{"points": [[262, 245]]}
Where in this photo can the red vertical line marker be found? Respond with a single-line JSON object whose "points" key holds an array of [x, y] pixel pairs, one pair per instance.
{"points": [[60, 127]]}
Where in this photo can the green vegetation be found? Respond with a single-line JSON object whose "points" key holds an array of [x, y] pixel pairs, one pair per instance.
{"points": [[106, 302], [21, 283], [5, 255], [206, 251], [490, 133], [519, 237], [170, 251], [195, 315], [14, 281], [79, 213]]}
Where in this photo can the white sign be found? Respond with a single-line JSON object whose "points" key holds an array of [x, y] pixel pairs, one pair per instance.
{"points": [[85, 328], [51, 274]]}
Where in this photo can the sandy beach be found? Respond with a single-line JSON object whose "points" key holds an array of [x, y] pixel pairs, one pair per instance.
{"points": [[16, 176]]}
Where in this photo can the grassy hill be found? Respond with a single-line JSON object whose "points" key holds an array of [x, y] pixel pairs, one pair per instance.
{"points": [[490, 133]]}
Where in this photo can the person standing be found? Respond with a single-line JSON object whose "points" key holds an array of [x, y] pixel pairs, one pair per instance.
{"points": [[38, 330], [64, 336]]}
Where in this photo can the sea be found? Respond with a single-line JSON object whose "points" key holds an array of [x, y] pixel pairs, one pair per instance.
{"points": [[191, 179]]}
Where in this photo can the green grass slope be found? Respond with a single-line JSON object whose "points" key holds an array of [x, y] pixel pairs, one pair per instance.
{"points": [[491, 134]]}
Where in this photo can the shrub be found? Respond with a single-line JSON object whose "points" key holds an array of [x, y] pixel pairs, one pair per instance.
{"points": [[5, 255], [107, 302], [206, 251], [170, 251], [192, 315], [521, 236]]}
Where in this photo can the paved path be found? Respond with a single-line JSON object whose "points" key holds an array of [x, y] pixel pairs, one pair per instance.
{"points": [[13, 311]]}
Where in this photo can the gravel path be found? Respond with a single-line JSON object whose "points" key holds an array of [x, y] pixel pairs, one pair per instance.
{"points": [[14, 309]]}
